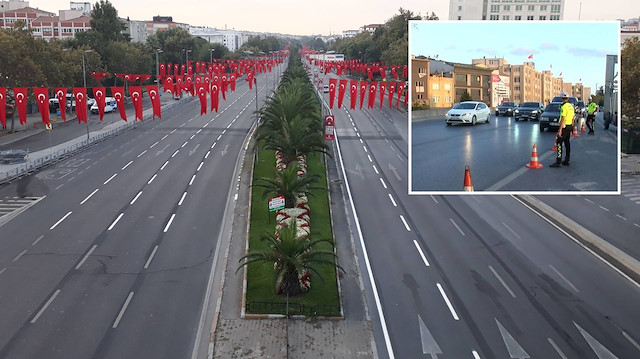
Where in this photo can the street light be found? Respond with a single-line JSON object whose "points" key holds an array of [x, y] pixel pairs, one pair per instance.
{"points": [[158, 51], [84, 80], [211, 55]]}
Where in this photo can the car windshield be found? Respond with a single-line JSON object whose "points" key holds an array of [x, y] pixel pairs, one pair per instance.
{"points": [[530, 104], [553, 107], [466, 106], [508, 104]]}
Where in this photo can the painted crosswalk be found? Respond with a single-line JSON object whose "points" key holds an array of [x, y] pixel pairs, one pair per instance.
{"points": [[12, 206], [630, 187]]}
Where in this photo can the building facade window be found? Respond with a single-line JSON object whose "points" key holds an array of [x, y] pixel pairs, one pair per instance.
{"points": [[543, 17], [530, 17], [494, 17], [518, 7], [518, 17], [461, 78], [505, 17], [495, 8], [506, 7], [447, 87], [459, 8], [543, 7], [435, 86], [447, 99], [435, 99], [554, 17], [555, 8], [532, 7]]}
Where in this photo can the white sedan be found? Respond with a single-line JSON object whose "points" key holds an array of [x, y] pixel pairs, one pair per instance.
{"points": [[469, 112]]}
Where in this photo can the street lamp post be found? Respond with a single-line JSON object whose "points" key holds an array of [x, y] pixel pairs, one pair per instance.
{"points": [[158, 51], [84, 81], [211, 55]]}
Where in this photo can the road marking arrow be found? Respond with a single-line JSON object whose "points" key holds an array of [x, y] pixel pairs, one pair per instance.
{"points": [[395, 172], [515, 350], [429, 345], [162, 150], [598, 348], [224, 152], [194, 150]]}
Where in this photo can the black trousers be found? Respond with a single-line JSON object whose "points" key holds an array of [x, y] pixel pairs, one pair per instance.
{"points": [[563, 141], [591, 122]]}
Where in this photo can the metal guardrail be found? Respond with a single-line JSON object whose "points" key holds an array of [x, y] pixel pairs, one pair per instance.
{"points": [[320, 310], [38, 163], [13, 156]]}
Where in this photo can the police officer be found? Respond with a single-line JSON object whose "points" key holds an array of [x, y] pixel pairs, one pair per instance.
{"points": [[567, 113], [591, 116]]}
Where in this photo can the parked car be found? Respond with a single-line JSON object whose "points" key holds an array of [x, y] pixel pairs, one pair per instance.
{"points": [[90, 102], [110, 105], [325, 88], [506, 108], [572, 100], [529, 110], [550, 118], [468, 112]]}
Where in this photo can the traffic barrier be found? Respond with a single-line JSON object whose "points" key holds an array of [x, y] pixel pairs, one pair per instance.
{"points": [[468, 186], [534, 159]]}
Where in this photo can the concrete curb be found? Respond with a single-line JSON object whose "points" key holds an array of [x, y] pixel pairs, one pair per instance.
{"points": [[620, 259]]}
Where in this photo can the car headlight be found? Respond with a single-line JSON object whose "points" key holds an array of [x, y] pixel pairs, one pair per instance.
{"points": [[516, 111], [534, 111]]}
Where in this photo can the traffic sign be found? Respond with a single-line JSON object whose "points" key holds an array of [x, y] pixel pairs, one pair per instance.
{"points": [[276, 203], [329, 128]]}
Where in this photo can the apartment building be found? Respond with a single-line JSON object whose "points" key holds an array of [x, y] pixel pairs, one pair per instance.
{"points": [[506, 9], [475, 80], [432, 83], [44, 24], [140, 30]]}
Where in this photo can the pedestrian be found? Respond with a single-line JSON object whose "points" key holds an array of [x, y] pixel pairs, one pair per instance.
{"points": [[591, 116], [567, 113]]}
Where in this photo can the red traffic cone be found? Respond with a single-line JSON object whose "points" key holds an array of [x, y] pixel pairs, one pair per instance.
{"points": [[468, 186], [582, 129], [554, 148], [534, 159], [575, 132]]}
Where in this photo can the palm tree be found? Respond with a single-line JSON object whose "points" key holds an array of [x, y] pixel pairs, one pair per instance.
{"points": [[287, 183], [293, 139], [292, 257], [291, 100]]}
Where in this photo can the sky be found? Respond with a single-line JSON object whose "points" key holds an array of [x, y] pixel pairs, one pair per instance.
{"points": [[311, 18], [577, 49]]}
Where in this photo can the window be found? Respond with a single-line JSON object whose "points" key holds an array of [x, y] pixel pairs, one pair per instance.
{"points": [[543, 17], [518, 17], [532, 8], [447, 99], [518, 7], [422, 70], [459, 17], [506, 7], [555, 8], [516, 79], [543, 7], [461, 78], [435, 99], [554, 17], [505, 17], [435, 86], [495, 8], [459, 8], [447, 87], [494, 17], [530, 17]]}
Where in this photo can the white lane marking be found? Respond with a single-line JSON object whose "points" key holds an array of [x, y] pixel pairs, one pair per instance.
{"points": [[564, 278], [184, 144], [19, 255], [44, 307], [182, 125], [636, 224], [182, 199], [127, 165], [604, 208], [200, 166], [175, 153], [635, 344], [141, 154], [163, 137], [365, 148], [392, 200], [89, 196], [512, 231], [424, 259], [370, 160], [152, 146], [405, 223], [235, 198], [433, 198], [376, 169], [192, 179], [475, 355], [153, 253], [110, 178], [214, 145], [124, 307], [361, 141], [504, 284], [152, 178], [588, 200], [115, 222], [207, 155], [383, 184], [619, 216], [200, 130], [166, 228], [192, 136], [173, 131], [446, 299], [164, 165], [37, 240], [219, 137], [135, 198], [2, 271], [87, 255], [557, 348], [459, 230], [60, 186], [60, 221]]}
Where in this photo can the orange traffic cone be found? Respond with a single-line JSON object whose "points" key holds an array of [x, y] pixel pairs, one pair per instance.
{"points": [[468, 187], [575, 132], [534, 159], [555, 147], [582, 129]]}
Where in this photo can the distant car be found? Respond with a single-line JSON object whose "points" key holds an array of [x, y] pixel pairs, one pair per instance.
{"points": [[528, 110], [572, 100], [506, 108], [325, 88], [550, 118], [90, 102], [468, 112], [109, 106]]}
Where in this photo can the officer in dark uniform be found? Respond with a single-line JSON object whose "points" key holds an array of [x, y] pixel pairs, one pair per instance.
{"points": [[567, 113]]}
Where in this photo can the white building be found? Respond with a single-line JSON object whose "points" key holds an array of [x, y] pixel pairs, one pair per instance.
{"points": [[500, 90], [350, 33], [506, 9], [232, 39]]}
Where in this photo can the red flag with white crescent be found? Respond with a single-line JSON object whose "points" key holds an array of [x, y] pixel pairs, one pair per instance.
{"points": [[202, 95], [136, 98], [42, 97], [232, 81], [223, 87], [400, 89], [99, 75], [118, 94], [332, 91], [369, 73], [392, 91], [178, 87], [80, 94], [394, 72], [20, 95], [3, 106], [353, 92], [61, 95], [364, 86], [404, 71], [168, 84], [342, 89], [215, 93], [154, 95], [99, 95], [383, 73], [372, 93], [383, 90], [163, 70], [406, 96]]}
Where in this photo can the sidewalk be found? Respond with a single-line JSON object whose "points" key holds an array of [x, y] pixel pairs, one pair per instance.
{"points": [[630, 163]]}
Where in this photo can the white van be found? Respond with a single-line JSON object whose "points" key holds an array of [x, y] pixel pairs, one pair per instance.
{"points": [[109, 106]]}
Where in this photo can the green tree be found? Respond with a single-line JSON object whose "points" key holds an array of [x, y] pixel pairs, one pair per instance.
{"points": [[104, 20], [290, 256], [287, 183], [630, 82]]}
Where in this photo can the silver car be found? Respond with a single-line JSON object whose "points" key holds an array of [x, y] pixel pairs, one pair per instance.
{"points": [[469, 112]]}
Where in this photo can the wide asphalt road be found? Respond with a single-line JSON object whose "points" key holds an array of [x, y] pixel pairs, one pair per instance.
{"points": [[114, 261], [473, 276]]}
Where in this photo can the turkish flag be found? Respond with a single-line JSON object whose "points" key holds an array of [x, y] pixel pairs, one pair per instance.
{"points": [[232, 81], [163, 70], [342, 88], [332, 91], [175, 69], [20, 95], [42, 97], [406, 97], [168, 84], [369, 73], [202, 94], [118, 94], [99, 75], [353, 85], [400, 89], [223, 87], [61, 95], [189, 85], [530, 56], [383, 89], [178, 87], [364, 86], [136, 98], [392, 91], [143, 78], [394, 72], [372, 93], [383, 73], [404, 71], [3, 106], [249, 78], [80, 94], [154, 95], [98, 95], [215, 99], [182, 68]]}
